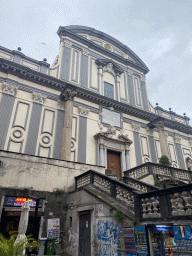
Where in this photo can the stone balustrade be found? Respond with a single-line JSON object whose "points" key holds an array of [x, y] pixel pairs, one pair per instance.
{"points": [[181, 203], [124, 195], [143, 170], [164, 204], [84, 180], [138, 185], [114, 188], [150, 207]]}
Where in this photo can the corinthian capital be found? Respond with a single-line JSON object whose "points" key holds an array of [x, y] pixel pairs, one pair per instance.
{"points": [[159, 125], [69, 94]]}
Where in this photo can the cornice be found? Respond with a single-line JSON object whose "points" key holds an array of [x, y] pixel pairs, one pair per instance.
{"points": [[26, 73], [24, 56], [64, 31]]}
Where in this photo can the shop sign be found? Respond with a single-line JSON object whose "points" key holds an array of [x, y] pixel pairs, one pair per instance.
{"points": [[15, 201], [141, 241], [53, 228]]}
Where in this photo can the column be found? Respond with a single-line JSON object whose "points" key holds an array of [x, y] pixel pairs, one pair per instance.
{"points": [[100, 80], [118, 86], [127, 159], [123, 163], [68, 96], [101, 154], [162, 139]]}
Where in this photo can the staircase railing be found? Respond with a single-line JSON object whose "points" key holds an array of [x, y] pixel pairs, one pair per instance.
{"points": [[114, 188], [139, 185], [146, 169]]}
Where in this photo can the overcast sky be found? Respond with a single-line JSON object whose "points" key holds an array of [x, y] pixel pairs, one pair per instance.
{"points": [[158, 31]]}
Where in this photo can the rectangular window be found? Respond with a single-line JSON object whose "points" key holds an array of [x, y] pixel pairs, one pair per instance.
{"points": [[108, 90]]}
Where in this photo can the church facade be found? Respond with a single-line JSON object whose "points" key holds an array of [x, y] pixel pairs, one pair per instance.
{"points": [[97, 88], [88, 111]]}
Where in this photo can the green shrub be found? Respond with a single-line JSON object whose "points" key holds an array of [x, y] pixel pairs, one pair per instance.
{"points": [[164, 160], [119, 215], [9, 248]]}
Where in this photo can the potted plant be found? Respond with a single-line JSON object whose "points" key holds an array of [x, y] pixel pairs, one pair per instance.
{"points": [[9, 248]]}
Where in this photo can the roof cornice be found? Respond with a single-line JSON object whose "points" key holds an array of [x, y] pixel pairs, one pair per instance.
{"points": [[64, 31], [28, 74], [13, 52]]}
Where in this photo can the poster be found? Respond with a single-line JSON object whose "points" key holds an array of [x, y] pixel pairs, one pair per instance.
{"points": [[141, 241], [129, 241], [53, 228], [182, 232]]}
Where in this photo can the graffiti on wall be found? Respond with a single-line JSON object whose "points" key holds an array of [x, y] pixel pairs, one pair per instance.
{"points": [[108, 238]]}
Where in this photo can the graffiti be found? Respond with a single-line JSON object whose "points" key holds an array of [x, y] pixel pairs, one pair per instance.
{"points": [[108, 238]]}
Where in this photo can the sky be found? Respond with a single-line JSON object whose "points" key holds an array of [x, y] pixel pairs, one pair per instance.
{"points": [[158, 31]]}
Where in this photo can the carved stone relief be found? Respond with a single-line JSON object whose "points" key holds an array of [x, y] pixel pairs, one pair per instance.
{"points": [[10, 89], [67, 44], [38, 98], [135, 127], [109, 68], [83, 111], [177, 139]]}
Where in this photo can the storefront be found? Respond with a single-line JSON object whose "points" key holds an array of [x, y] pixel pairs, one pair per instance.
{"points": [[11, 213], [169, 240]]}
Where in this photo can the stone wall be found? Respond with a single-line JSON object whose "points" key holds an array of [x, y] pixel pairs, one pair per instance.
{"points": [[105, 228], [44, 174]]}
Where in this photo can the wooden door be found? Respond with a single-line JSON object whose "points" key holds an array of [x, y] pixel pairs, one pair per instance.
{"points": [[114, 162], [85, 234]]}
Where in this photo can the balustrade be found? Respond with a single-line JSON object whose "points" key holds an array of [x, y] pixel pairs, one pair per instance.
{"points": [[124, 195], [102, 184], [114, 188], [150, 207], [141, 171], [181, 203], [82, 181]]}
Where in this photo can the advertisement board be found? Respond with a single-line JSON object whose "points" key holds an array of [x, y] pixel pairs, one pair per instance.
{"points": [[53, 228], [141, 241]]}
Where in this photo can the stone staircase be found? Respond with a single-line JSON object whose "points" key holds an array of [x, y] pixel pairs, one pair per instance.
{"points": [[132, 193], [117, 193]]}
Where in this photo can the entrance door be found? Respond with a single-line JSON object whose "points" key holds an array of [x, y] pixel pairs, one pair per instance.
{"points": [[114, 162], [85, 234]]}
